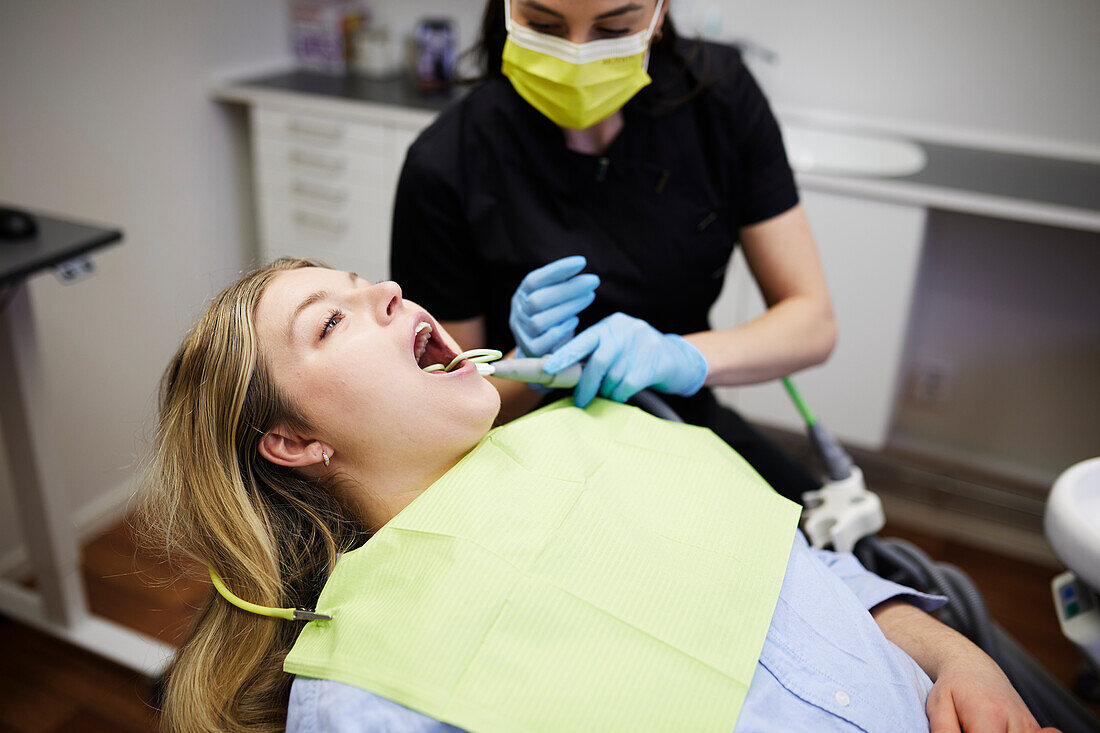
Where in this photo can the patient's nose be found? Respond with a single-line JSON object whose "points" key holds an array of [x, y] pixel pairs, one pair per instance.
{"points": [[386, 301]]}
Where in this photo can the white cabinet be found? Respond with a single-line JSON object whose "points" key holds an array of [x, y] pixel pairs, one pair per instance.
{"points": [[870, 251], [325, 185]]}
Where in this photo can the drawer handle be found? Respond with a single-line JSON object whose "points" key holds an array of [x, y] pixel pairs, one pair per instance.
{"points": [[320, 222], [331, 133], [314, 160], [317, 192]]}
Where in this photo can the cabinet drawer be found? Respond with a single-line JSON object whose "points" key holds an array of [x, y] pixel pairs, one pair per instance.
{"points": [[325, 187], [362, 227], [323, 133], [327, 195], [327, 165]]}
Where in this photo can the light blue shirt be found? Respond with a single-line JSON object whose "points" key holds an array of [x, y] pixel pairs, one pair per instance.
{"points": [[825, 665]]}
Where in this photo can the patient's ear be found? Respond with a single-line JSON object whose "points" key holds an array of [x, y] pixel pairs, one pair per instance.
{"points": [[287, 448]]}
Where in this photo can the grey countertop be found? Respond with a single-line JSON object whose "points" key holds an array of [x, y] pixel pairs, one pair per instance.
{"points": [[1008, 184], [397, 91], [1011, 175]]}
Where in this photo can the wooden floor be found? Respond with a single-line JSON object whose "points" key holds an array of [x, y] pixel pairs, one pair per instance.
{"points": [[47, 686]]}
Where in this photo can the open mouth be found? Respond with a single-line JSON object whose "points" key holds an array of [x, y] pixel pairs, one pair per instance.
{"points": [[429, 348]]}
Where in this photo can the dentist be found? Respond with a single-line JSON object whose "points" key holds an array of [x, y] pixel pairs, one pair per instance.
{"points": [[585, 199]]}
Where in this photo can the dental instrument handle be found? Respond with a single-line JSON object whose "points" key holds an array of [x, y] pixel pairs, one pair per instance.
{"points": [[530, 370]]}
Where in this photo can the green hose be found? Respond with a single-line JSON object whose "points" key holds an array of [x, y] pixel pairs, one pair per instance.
{"points": [[798, 402]]}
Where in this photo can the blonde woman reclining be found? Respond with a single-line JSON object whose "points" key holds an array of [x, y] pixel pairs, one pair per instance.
{"points": [[574, 570]]}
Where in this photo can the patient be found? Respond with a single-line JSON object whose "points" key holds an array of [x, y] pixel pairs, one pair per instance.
{"points": [[295, 421]]}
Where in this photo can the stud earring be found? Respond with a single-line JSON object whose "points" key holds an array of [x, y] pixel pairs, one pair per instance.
{"points": [[324, 456]]}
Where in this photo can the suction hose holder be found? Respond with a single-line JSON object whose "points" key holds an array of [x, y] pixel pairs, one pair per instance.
{"points": [[843, 511]]}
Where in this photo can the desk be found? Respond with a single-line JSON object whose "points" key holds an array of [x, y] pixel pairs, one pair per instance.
{"points": [[57, 606]]}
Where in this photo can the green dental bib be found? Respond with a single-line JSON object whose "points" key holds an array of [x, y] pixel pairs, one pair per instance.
{"points": [[595, 570]]}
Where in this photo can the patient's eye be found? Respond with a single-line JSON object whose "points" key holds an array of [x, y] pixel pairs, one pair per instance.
{"points": [[334, 316]]}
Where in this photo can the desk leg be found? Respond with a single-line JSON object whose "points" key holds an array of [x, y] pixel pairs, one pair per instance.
{"points": [[58, 605]]}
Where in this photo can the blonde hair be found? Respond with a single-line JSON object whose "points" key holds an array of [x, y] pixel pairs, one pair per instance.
{"points": [[270, 532]]}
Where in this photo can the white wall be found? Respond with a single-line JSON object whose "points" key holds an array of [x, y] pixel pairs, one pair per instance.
{"points": [[1013, 68], [1022, 70], [104, 117]]}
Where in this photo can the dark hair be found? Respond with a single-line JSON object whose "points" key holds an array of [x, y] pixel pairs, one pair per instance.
{"points": [[490, 48], [490, 44]]}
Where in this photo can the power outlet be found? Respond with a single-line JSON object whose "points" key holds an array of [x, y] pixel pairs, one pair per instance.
{"points": [[932, 382]]}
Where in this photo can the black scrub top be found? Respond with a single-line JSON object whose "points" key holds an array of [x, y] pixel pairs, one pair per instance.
{"points": [[490, 192]]}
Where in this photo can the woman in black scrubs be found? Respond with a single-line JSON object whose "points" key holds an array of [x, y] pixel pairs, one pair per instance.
{"points": [[655, 195]]}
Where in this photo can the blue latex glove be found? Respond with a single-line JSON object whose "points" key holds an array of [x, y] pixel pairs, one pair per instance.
{"points": [[546, 304], [627, 356]]}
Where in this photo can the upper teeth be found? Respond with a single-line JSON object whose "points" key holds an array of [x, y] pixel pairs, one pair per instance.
{"points": [[423, 335]]}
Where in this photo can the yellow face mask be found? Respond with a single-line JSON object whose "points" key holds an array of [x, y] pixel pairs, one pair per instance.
{"points": [[575, 84]]}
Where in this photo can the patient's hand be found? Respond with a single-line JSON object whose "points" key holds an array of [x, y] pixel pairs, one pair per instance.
{"points": [[970, 693]]}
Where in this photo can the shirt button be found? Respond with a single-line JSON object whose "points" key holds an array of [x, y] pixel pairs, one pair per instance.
{"points": [[842, 699]]}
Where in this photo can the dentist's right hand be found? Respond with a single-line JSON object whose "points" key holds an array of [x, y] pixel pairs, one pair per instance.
{"points": [[546, 304], [626, 355]]}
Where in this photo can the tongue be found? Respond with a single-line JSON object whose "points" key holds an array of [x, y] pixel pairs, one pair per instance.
{"points": [[435, 353]]}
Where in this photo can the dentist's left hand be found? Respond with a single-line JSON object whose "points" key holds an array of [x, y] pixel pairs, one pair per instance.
{"points": [[627, 356], [545, 305]]}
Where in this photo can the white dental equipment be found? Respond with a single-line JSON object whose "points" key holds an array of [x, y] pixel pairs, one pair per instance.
{"points": [[1072, 525], [841, 513]]}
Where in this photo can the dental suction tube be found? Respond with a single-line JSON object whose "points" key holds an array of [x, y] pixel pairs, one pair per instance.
{"points": [[530, 371]]}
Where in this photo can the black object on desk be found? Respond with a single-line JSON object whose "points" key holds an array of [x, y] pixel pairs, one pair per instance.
{"points": [[15, 224], [56, 241]]}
